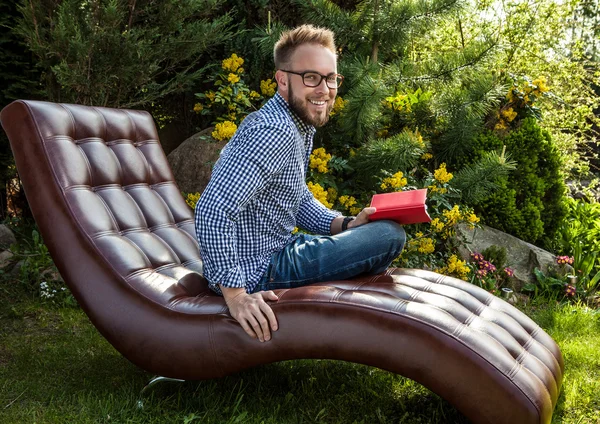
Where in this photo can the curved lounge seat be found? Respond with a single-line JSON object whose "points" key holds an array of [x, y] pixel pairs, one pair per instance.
{"points": [[122, 237]]}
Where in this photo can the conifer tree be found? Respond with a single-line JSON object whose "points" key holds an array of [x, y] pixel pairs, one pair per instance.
{"points": [[121, 53]]}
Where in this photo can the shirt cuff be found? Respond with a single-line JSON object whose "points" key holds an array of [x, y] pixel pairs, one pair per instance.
{"points": [[233, 279]]}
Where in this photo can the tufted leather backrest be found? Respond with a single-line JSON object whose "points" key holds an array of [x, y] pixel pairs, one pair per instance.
{"points": [[105, 169]]}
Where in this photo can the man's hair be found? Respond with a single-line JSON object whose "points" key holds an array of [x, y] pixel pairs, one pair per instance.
{"points": [[305, 34]]}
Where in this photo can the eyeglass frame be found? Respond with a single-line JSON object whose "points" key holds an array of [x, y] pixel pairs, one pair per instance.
{"points": [[323, 77]]}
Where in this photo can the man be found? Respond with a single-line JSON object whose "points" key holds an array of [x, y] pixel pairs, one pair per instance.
{"points": [[257, 195]]}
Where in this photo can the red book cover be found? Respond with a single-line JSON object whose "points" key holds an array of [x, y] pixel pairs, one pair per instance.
{"points": [[404, 207]]}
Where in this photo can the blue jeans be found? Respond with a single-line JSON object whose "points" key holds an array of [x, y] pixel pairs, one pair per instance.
{"points": [[367, 249]]}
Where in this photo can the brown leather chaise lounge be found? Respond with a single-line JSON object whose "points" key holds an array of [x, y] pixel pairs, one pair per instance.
{"points": [[122, 237]]}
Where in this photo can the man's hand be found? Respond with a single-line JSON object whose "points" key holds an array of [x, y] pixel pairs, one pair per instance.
{"points": [[252, 312], [362, 217]]}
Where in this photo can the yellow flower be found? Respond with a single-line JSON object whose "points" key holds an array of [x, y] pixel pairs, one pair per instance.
{"points": [[267, 87], [419, 139], [452, 216], [198, 108], [442, 175], [240, 70], [233, 78], [347, 201], [331, 195], [437, 224], [319, 193], [457, 267], [295, 230], [541, 84], [253, 95], [210, 95], [426, 156], [338, 105], [191, 199], [319, 159], [232, 63], [426, 245], [355, 210], [509, 114], [501, 125], [396, 181], [472, 218], [436, 189], [224, 130]]}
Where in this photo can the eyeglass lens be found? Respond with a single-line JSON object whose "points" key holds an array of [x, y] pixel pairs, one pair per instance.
{"points": [[312, 79]]}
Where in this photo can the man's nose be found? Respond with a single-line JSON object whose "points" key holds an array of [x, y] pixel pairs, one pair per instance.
{"points": [[323, 87]]}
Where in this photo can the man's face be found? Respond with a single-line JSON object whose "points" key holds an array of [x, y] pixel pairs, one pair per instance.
{"points": [[312, 104]]}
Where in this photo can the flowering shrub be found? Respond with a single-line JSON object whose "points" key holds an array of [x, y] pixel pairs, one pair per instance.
{"points": [[191, 199], [231, 99], [489, 276], [224, 130], [267, 87], [520, 99], [319, 159], [429, 245]]}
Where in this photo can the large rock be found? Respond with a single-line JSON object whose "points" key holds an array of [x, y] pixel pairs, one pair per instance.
{"points": [[521, 256], [6, 237], [193, 160]]}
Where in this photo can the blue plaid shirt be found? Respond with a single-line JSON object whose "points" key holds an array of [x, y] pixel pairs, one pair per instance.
{"points": [[257, 194]]}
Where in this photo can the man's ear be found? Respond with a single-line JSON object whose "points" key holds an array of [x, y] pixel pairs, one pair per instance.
{"points": [[282, 82]]}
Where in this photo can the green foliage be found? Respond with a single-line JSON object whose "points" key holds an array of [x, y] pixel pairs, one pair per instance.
{"points": [[463, 107], [482, 177], [587, 268], [231, 99], [19, 79], [529, 204], [548, 287], [496, 255], [112, 53], [581, 226], [399, 152]]}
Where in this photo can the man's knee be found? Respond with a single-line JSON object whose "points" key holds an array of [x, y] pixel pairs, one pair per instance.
{"points": [[390, 235]]}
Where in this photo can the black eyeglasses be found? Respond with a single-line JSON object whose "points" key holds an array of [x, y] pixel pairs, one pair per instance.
{"points": [[314, 79]]}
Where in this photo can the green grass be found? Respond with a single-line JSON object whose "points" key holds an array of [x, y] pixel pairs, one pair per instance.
{"points": [[56, 368]]}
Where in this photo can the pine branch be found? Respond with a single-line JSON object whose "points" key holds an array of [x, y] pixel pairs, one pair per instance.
{"points": [[399, 152], [480, 180], [361, 114]]}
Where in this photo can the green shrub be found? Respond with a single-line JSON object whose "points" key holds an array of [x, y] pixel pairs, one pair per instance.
{"points": [[530, 204]]}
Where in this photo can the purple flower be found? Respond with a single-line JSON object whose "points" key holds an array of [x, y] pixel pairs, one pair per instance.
{"points": [[570, 290], [477, 257], [481, 273], [509, 271]]}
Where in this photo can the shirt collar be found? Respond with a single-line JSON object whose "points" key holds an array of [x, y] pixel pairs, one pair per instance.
{"points": [[303, 127]]}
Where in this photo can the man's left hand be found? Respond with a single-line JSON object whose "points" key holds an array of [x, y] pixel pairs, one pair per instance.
{"points": [[362, 218]]}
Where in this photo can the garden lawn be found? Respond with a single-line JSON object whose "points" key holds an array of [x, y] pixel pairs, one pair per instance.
{"points": [[56, 368]]}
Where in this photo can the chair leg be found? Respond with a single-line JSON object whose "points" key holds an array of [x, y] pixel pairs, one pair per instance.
{"points": [[140, 402]]}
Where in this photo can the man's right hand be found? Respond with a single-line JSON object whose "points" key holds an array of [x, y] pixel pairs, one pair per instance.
{"points": [[252, 312]]}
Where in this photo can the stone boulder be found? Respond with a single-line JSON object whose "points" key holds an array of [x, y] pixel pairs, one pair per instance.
{"points": [[193, 160], [521, 256], [6, 237]]}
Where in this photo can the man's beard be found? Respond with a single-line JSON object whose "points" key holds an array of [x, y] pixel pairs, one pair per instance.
{"points": [[301, 109]]}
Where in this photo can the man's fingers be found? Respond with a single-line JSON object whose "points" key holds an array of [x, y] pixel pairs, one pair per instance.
{"points": [[269, 295], [270, 316], [368, 211], [247, 328], [256, 327]]}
